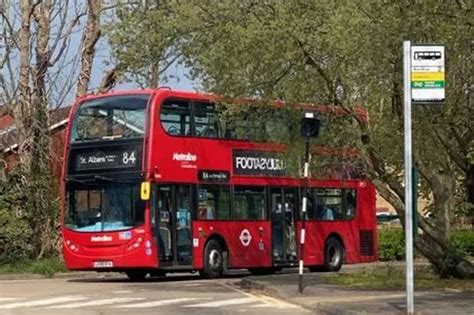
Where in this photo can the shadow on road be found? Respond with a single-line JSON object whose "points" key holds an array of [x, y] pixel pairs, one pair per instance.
{"points": [[169, 278]]}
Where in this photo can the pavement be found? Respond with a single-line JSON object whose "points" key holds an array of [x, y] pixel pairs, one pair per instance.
{"points": [[323, 298]]}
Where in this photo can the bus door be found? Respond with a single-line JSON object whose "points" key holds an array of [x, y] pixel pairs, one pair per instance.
{"points": [[283, 203], [173, 215]]}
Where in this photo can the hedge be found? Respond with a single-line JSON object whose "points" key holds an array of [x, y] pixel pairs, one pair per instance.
{"points": [[392, 243], [15, 235]]}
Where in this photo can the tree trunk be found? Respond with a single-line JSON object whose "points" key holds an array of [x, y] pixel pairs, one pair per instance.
{"points": [[90, 37], [436, 246], [431, 243], [40, 195], [154, 75], [22, 111]]}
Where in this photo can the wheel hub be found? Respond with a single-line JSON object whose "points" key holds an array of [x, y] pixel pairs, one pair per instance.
{"points": [[215, 259]]}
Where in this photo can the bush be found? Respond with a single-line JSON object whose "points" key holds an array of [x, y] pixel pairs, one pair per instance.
{"points": [[15, 236], [391, 244], [464, 242]]}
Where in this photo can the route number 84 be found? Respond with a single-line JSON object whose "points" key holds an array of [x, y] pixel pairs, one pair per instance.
{"points": [[128, 158]]}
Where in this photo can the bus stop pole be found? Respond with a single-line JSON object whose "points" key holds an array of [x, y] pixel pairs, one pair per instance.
{"points": [[408, 175], [303, 215]]}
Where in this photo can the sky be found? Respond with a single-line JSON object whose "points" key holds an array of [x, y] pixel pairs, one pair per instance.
{"points": [[64, 73]]}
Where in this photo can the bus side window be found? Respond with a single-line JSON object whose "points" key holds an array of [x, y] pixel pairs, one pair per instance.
{"points": [[249, 203], [206, 120], [310, 205], [175, 118], [213, 202], [350, 203]]}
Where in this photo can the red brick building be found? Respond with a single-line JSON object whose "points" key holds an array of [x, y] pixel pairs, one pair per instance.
{"points": [[8, 136]]}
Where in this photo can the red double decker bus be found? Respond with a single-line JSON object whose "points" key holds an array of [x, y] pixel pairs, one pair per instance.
{"points": [[153, 183]]}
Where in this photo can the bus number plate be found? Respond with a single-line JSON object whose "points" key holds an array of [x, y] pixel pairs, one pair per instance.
{"points": [[103, 264]]}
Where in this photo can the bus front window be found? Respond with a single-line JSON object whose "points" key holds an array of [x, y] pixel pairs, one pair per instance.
{"points": [[101, 208], [110, 118]]}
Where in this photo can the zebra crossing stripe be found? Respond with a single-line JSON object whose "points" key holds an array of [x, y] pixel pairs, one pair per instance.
{"points": [[261, 305], [157, 303], [43, 302], [98, 302], [223, 303]]}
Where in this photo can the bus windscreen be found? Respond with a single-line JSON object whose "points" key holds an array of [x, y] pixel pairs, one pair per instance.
{"points": [[108, 118], [102, 207]]}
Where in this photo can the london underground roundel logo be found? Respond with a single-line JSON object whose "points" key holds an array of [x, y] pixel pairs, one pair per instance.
{"points": [[245, 237]]}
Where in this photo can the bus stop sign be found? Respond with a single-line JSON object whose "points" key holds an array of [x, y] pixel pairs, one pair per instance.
{"points": [[427, 74]]}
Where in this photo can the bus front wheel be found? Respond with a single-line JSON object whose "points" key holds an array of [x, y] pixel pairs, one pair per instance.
{"points": [[213, 260], [333, 255]]}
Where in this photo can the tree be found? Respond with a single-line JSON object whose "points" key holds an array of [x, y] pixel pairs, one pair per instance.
{"points": [[348, 53], [146, 38], [40, 33]]}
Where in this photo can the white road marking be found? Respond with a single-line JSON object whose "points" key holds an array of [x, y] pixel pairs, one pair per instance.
{"points": [[262, 305], [43, 302], [98, 302], [223, 303], [158, 303], [262, 298]]}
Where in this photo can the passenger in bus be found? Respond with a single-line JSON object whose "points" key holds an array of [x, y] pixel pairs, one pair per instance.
{"points": [[206, 211], [325, 213]]}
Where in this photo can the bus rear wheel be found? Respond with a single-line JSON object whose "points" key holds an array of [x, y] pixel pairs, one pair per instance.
{"points": [[213, 260], [333, 255], [136, 275]]}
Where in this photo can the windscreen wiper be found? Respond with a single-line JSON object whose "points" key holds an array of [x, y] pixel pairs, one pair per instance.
{"points": [[80, 181]]}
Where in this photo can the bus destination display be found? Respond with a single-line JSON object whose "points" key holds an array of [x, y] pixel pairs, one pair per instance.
{"points": [[126, 157]]}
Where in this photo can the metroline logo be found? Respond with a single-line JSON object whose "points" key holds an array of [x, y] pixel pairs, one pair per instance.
{"points": [[184, 157], [104, 238]]}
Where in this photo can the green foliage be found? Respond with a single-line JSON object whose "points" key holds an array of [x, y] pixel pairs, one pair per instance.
{"points": [[146, 40], [391, 277], [46, 266], [391, 244], [14, 237], [28, 226], [464, 242]]}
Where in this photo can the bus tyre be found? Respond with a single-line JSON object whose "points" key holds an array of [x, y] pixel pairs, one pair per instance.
{"points": [[213, 260], [136, 275], [333, 255]]}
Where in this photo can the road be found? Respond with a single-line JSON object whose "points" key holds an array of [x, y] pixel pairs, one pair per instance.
{"points": [[175, 294]]}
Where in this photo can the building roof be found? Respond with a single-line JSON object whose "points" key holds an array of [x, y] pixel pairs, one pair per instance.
{"points": [[8, 133]]}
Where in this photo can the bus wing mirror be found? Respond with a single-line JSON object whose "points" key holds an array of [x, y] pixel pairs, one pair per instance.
{"points": [[145, 191]]}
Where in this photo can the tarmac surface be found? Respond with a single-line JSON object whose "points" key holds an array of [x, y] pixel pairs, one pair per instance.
{"points": [[317, 297], [323, 298]]}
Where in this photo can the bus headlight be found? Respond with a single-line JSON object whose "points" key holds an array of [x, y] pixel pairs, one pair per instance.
{"points": [[72, 247], [135, 245]]}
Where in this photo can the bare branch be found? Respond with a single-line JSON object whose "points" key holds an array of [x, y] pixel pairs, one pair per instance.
{"points": [[90, 37]]}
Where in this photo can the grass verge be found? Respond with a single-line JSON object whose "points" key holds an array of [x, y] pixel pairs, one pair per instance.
{"points": [[392, 278], [46, 267]]}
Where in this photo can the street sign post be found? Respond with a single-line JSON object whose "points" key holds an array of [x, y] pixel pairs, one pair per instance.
{"points": [[423, 82]]}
